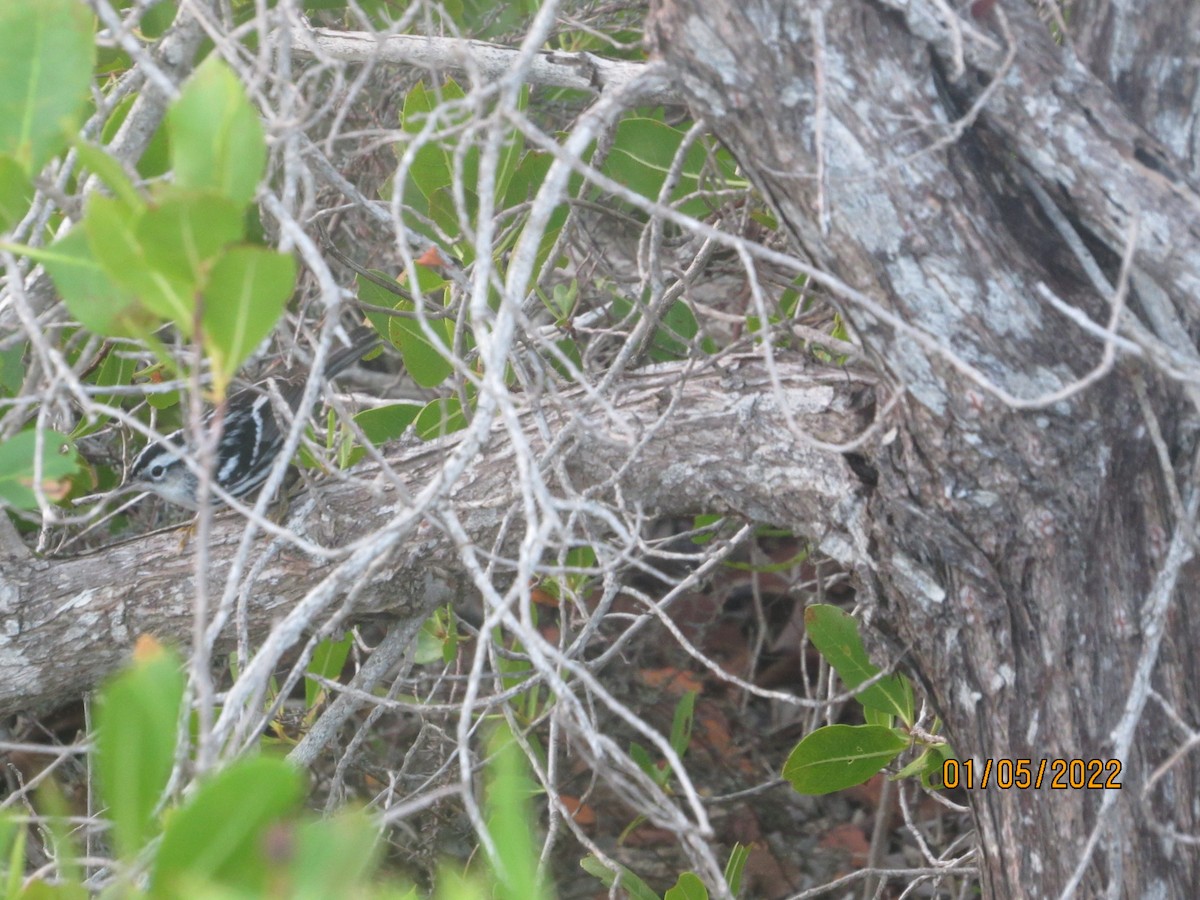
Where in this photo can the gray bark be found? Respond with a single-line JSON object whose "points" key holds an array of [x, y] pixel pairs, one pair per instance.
{"points": [[1030, 555], [69, 622]]}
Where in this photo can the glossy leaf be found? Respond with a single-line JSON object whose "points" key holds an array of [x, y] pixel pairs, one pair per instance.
{"points": [[426, 358], [735, 867], [835, 634], [840, 756], [687, 887], [440, 418]]}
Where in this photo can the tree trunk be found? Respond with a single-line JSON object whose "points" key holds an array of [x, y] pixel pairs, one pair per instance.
{"points": [[1031, 526]]}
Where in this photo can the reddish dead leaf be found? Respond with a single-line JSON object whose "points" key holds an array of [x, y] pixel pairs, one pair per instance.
{"points": [[673, 681], [848, 839], [433, 258], [581, 812], [543, 598], [147, 648]]}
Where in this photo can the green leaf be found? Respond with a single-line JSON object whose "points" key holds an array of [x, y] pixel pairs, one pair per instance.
{"points": [[328, 660], [630, 883], [109, 171], [111, 229], [17, 454], [687, 887], [216, 137], [137, 721], [12, 369], [835, 634], [874, 716], [644, 761], [641, 156], [218, 836], [185, 234], [244, 298], [509, 817], [386, 423], [437, 641], [16, 192], [334, 858], [681, 725], [431, 168], [840, 756], [735, 867], [671, 339], [426, 360], [440, 418], [46, 56], [155, 159], [93, 297]]}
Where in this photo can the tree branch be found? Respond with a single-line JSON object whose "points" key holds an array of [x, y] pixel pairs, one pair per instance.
{"points": [[488, 62], [723, 446]]}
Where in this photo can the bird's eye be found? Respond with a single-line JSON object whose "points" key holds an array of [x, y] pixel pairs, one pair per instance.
{"points": [[157, 470]]}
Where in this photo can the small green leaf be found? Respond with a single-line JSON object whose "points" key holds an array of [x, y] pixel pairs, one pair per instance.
{"points": [[334, 858], [628, 882], [642, 153], [328, 660], [46, 55], [687, 887], [185, 234], [109, 171], [704, 520], [93, 297], [835, 634], [426, 360], [217, 141], [735, 867], [681, 725], [218, 836], [137, 721], [440, 418], [840, 756], [16, 192], [508, 791], [386, 423], [17, 469], [111, 229], [244, 298]]}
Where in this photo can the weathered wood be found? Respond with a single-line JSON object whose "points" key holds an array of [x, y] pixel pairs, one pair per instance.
{"points": [[726, 446]]}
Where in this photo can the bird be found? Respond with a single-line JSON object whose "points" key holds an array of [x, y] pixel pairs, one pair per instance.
{"points": [[251, 439]]}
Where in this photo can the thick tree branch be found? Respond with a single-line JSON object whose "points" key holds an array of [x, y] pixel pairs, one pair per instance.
{"points": [[723, 446]]}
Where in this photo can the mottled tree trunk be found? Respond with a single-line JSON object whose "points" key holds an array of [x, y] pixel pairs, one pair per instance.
{"points": [[1032, 556]]}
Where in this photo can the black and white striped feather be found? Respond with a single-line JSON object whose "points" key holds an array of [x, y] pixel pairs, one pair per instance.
{"points": [[251, 440]]}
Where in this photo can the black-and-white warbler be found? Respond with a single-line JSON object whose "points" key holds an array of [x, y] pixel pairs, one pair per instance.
{"points": [[251, 439]]}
